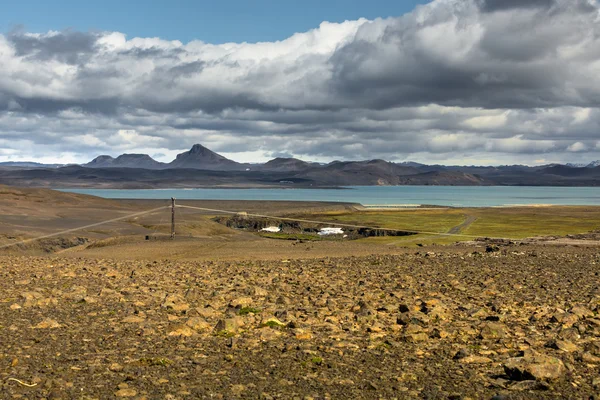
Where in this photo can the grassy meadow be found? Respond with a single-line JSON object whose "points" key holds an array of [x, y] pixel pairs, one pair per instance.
{"points": [[509, 222]]}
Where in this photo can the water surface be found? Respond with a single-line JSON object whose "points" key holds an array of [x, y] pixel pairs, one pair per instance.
{"points": [[457, 196]]}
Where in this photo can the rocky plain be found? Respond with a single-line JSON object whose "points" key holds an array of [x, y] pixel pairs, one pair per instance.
{"points": [[514, 322]]}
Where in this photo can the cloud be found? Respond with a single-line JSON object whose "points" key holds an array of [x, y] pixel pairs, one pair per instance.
{"points": [[501, 5], [473, 79], [577, 147]]}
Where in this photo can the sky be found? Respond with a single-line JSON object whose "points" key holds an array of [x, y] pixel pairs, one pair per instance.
{"points": [[213, 22], [487, 82]]}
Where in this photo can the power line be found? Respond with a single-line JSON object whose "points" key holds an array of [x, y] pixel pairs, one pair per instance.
{"points": [[83, 227], [330, 223]]}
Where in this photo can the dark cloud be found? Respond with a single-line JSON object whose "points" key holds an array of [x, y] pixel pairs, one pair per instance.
{"points": [[151, 52], [500, 5], [70, 47], [40, 105], [452, 77]]}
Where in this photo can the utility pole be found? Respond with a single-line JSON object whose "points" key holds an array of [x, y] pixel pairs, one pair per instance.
{"points": [[172, 217]]}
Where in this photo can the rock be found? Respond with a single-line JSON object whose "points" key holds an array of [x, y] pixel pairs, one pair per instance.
{"points": [[273, 323], [364, 312], [415, 317], [439, 333], [198, 324], [581, 311], [589, 358], [127, 392], [492, 330], [562, 345], [115, 367], [227, 326], [529, 385], [475, 360], [593, 348], [403, 308], [207, 312], [569, 334], [176, 303], [266, 334], [15, 306], [282, 300], [48, 323], [301, 334], [182, 330], [133, 319], [416, 337], [260, 292], [534, 366], [460, 354], [376, 327], [237, 390], [241, 302], [565, 319], [435, 309], [31, 299]]}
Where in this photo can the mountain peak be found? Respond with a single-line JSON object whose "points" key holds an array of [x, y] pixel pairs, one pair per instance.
{"points": [[199, 157], [125, 161], [594, 164], [199, 149]]}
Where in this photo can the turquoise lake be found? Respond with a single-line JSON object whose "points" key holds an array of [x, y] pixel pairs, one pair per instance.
{"points": [[457, 196]]}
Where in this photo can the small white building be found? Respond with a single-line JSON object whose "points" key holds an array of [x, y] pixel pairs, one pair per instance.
{"points": [[330, 231], [272, 229]]}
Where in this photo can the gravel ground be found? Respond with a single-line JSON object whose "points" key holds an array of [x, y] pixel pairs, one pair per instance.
{"points": [[521, 322]]}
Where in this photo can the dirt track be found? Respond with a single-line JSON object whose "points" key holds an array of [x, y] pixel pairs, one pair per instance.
{"points": [[417, 325]]}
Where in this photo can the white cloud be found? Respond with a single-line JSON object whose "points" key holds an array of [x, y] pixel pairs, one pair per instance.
{"points": [[454, 77], [577, 147]]}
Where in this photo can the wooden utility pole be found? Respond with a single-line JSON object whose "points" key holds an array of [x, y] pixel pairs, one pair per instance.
{"points": [[172, 217]]}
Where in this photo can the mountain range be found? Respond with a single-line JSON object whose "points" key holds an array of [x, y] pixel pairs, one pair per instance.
{"points": [[201, 167]]}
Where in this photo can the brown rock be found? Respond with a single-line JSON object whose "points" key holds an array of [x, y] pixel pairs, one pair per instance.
{"points": [[182, 330], [133, 319], [241, 302], [563, 345], [176, 303], [48, 323], [227, 326], [198, 324], [534, 366], [582, 312], [416, 337], [492, 330], [590, 359], [31, 298], [115, 367], [475, 360], [127, 392]]}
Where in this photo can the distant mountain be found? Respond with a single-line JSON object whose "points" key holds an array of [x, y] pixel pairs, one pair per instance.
{"points": [[100, 162], [593, 164], [199, 157], [411, 164], [137, 161], [28, 164], [286, 164], [140, 170], [346, 173], [143, 161]]}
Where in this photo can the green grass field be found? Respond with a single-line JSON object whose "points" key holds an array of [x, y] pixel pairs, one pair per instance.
{"points": [[510, 223]]}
